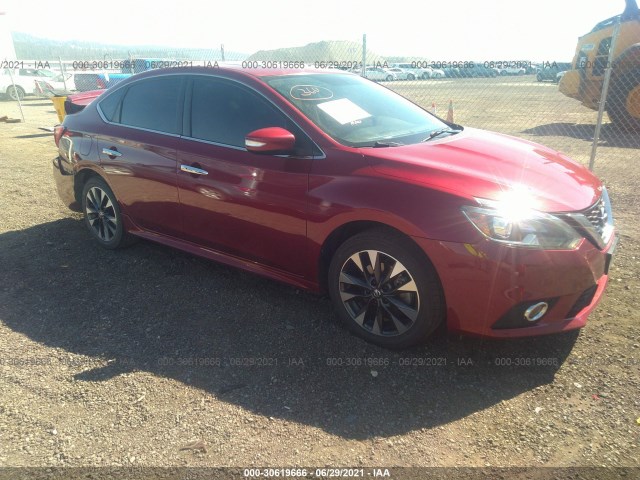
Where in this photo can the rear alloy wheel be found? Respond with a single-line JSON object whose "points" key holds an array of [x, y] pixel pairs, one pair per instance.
{"points": [[389, 78], [102, 214], [15, 93], [411, 76], [623, 101], [385, 290]]}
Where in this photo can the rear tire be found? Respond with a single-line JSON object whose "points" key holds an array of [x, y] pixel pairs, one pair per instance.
{"points": [[623, 101], [102, 215], [385, 290]]}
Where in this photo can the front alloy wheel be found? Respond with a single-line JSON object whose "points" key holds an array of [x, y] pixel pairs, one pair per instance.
{"points": [[385, 289], [379, 293]]}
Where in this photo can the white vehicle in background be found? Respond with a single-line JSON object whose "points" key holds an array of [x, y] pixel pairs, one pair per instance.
{"points": [[24, 80], [379, 74], [513, 71], [401, 74], [414, 71], [63, 82]]}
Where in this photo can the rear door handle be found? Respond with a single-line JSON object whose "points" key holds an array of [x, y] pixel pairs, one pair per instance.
{"points": [[111, 153], [194, 170]]}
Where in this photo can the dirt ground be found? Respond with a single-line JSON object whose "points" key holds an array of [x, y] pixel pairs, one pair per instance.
{"points": [[151, 357]]}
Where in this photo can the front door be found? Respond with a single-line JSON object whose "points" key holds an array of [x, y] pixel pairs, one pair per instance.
{"points": [[245, 204]]}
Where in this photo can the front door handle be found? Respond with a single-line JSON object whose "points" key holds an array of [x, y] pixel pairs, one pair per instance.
{"points": [[194, 170], [111, 152]]}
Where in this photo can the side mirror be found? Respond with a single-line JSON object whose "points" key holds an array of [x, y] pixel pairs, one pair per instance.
{"points": [[270, 140]]}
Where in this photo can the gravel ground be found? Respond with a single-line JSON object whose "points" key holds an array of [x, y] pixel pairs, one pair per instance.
{"points": [[151, 357]]}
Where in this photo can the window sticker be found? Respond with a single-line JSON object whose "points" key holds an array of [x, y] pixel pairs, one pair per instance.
{"points": [[310, 92], [343, 111]]}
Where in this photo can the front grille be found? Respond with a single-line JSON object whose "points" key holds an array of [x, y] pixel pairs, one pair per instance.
{"points": [[584, 300], [598, 216]]}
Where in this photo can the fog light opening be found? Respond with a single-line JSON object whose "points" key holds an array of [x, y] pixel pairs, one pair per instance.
{"points": [[536, 311]]}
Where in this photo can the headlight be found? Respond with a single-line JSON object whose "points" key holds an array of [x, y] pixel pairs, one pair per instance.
{"points": [[513, 222]]}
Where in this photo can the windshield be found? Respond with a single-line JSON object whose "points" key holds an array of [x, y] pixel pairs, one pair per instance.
{"points": [[354, 111]]}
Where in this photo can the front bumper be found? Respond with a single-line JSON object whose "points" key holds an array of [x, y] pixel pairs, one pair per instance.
{"points": [[487, 286]]}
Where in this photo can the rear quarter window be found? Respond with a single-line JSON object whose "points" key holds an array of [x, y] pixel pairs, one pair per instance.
{"points": [[110, 106]]}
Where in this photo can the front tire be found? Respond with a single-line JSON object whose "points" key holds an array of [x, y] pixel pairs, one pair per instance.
{"points": [[102, 214], [623, 101], [385, 290], [15, 93]]}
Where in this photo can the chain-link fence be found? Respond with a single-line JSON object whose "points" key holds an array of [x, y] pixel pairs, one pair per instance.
{"points": [[573, 106]]}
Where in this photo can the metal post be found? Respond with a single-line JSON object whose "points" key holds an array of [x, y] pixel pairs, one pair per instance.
{"points": [[222, 51], [16, 92], [64, 77], [603, 96], [364, 55]]}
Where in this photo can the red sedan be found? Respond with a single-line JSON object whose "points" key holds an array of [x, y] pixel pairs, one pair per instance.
{"points": [[333, 183]]}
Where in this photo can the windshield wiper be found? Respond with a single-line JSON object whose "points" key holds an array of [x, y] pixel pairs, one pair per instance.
{"points": [[442, 131], [379, 144]]}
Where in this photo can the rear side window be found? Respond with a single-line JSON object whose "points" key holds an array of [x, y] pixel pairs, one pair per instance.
{"points": [[153, 104], [110, 106]]}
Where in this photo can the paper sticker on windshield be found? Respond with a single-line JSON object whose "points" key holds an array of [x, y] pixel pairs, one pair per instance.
{"points": [[310, 92], [343, 111]]}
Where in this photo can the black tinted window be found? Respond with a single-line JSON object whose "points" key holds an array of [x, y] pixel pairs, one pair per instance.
{"points": [[110, 106], [153, 104], [224, 112]]}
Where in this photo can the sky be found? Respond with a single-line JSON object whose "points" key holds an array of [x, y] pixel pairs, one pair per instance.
{"points": [[538, 30]]}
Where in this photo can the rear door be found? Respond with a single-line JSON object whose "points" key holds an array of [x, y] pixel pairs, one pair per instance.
{"points": [[245, 204], [137, 150]]}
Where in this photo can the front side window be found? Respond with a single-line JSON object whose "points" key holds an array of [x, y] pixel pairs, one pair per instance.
{"points": [[354, 111], [223, 112], [152, 104]]}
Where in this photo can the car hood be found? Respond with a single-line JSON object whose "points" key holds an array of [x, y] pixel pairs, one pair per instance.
{"points": [[481, 164]]}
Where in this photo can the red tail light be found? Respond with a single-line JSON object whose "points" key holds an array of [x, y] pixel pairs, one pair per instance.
{"points": [[101, 84], [58, 131]]}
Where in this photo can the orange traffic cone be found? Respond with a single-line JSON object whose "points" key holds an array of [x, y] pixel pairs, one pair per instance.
{"points": [[450, 112], [434, 110]]}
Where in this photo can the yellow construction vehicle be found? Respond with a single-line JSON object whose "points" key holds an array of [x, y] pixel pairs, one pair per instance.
{"points": [[586, 79]]}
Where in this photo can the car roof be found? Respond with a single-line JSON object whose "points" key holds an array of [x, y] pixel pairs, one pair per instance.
{"points": [[234, 70]]}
